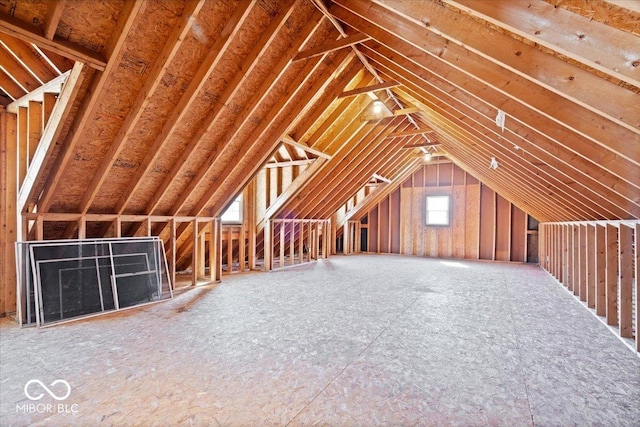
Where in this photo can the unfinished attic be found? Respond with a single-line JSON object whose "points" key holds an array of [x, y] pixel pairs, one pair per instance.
{"points": [[349, 212]]}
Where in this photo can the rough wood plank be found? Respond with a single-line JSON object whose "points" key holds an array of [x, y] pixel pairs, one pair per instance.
{"points": [[625, 273]]}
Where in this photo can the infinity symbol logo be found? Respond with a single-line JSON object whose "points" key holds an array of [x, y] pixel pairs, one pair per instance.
{"points": [[52, 394]]}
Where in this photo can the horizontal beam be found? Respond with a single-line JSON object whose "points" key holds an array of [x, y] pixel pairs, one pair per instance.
{"points": [[410, 132], [367, 89], [382, 178], [331, 46], [289, 140], [53, 86], [408, 110], [423, 144], [62, 217], [289, 163], [18, 29]]}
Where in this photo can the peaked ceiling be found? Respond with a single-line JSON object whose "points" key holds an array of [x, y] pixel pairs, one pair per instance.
{"points": [[174, 106]]}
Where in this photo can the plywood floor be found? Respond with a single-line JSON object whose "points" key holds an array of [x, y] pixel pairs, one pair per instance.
{"points": [[359, 340]]}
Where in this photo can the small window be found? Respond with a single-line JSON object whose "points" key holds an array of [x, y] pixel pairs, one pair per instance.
{"points": [[438, 210], [233, 214]]}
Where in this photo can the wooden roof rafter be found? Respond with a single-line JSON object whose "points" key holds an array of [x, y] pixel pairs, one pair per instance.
{"points": [[566, 113], [156, 74], [290, 141], [181, 110], [435, 69], [90, 103], [18, 29]]}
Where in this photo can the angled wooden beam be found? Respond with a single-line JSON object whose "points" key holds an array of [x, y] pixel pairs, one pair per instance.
{"points": [[89, 105], [156, 73], [11, 88], [254, 103], [533, 123], [382, 178], [367, 89], [579, 38], [302, 162], [331, 46], [52, 18], [403, 111], [584, 111], [27, 57], [31, 34], [181, 111], [411, 132], [53, 86], [17, 71], [289, 140]]}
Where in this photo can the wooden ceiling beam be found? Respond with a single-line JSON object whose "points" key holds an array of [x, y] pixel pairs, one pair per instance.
{"points": [[432, 74], [367, 89], [52, 18], [411, 132], [31, 34], [573, 116], [18, 73], [567, 163], [484, 142], [155, 76], [10, 87], [355, 146], [403, 111], [580, 38], [422, 144], [381, 192], [289, 140], [540, 188], [305, 97], [481, 126], [331, 46], [348, 178], [21, 52], [258, 96], [568, 80], [89, 105], [181, 110]]}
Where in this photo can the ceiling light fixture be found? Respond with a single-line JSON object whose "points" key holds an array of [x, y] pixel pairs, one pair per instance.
{"points": [[377, 106], [427, 156]]}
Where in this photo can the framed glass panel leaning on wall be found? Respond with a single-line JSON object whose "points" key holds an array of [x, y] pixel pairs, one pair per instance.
{"points": [[60, 280]]}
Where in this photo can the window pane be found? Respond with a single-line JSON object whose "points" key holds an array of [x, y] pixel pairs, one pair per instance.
{"points": [[438, 218], [438, 203], [233, 212]]}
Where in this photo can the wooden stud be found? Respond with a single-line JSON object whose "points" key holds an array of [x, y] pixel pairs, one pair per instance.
{"points": [[194, 253], [637, 280], [611, 238], [331, 46], [600, 270], [268, 245], [172, 252], [9, 229], [591, 265], [373, 88], [582, 254], [625, 272]]}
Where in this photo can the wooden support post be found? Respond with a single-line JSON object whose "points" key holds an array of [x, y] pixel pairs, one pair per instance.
{"points": [[9, 225], [23, 144], [600, 271], [39, 228], [268, 244], [35, 129], [194, 253], [218, 249], [637, 263], [591, 266], [292, 242], [213, 260], [569, 256], [625, 269], [242, 241], [173, 248], [201, 255], [345, 238], [301, 241], [229, 249], [583, 262], [82, 228], [576, 259], [148, 226], [117, 224], [611, 237], [309, 240], [282, 242], [326, 226]]}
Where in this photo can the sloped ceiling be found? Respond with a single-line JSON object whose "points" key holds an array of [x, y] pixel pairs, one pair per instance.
{"points": [[181, 103]]}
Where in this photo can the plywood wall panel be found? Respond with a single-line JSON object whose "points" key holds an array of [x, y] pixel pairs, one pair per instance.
{"points": [[383, 219], [406, 229], [394, 206], [445, 174], [503, 229], [459, 214], [472, 221], [431, 175], [487, 223], [518, 234], [373, 230]]}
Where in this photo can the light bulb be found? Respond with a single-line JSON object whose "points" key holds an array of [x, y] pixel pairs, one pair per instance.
{"points": [[427, 157], [377, 107]]}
